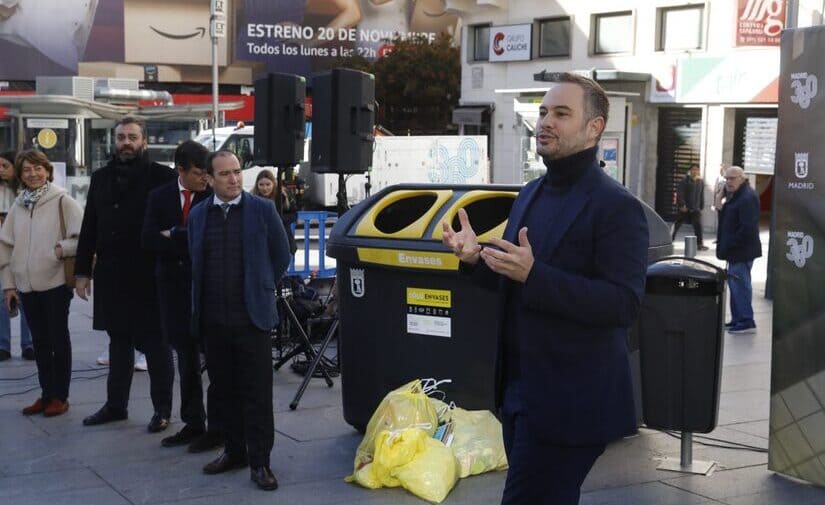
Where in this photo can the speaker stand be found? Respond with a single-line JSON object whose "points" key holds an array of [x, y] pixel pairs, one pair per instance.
{"points": [[342, 195]]}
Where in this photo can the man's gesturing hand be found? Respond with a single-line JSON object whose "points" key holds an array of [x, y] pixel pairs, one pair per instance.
{"points": [[513, 261], [464, 243]]}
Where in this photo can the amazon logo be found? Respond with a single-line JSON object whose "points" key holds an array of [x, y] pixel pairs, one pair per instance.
{"points": [[199, 32]]}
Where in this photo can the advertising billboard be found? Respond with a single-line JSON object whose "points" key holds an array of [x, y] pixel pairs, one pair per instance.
{"points": [[54, 37], [301, 37]]}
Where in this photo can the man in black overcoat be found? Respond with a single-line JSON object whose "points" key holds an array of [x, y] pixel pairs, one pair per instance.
{"points": [[125, 298]]}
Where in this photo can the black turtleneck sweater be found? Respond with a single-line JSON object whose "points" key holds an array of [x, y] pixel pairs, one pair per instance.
{"points": [[551, 197]]}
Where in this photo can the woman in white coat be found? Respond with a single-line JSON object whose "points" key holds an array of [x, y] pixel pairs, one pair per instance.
{"points": [[34, 241]]}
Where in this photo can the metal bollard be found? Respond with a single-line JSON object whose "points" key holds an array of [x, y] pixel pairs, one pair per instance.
{"points": [[690, 246]]}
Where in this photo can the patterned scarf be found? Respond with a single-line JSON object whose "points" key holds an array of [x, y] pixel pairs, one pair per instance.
{"points": [[29, 197]]}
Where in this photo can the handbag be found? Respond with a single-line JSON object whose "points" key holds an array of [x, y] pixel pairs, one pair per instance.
{"points": [[68, 263]]}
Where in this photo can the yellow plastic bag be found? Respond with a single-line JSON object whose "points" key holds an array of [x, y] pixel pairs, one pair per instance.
{"points": [[404, 407], [412, 459], [432, 473], [392, 449], [477, 442]]}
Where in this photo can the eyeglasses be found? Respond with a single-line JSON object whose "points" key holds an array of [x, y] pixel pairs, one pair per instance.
{"points": [[733, 177]]}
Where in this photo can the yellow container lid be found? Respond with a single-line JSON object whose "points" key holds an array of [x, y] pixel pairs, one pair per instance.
{"points": [[469, 198], [368, 226]]}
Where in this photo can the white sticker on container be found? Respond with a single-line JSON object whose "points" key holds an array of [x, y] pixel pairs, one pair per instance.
{"points": [[429, 325]]}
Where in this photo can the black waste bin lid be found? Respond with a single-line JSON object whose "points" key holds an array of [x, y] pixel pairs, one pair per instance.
{"points": [[684, 277]]}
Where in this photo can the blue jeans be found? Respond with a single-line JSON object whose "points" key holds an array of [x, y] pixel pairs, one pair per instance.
{"points": [[741, 292], [5, 329]]}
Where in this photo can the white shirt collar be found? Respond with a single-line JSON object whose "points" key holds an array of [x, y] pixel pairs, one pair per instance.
{"points": [[235, 201], [180, 186]]}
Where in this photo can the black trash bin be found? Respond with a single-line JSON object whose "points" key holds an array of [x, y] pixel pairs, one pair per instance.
{"points": [[404, 312], [680, 331]]}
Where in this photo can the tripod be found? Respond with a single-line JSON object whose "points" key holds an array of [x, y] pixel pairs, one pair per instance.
{"points": [[305, 345], [289, 319]]}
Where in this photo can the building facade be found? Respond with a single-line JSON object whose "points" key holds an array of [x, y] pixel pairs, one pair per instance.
{"points": [[689, 82]]}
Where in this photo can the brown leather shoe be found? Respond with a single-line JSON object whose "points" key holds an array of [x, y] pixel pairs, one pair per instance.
{"points": [[35, 408], [264, 478], [55, 408], [224, 463]]}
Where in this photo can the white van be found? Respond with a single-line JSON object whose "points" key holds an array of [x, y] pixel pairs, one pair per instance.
{"points": [[240, 141]]}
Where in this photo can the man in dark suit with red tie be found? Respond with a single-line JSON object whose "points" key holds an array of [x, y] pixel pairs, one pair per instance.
{"points": [[164, 233]]}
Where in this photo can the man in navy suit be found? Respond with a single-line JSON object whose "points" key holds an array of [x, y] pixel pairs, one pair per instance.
{"points": [[239, 252], [571, 267], [164, 234]]}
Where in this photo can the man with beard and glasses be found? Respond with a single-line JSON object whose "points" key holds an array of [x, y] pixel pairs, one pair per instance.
{"points": [[571, 268], [109, 251]]}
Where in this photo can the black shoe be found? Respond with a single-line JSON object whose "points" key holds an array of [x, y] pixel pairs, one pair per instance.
{"points": [[184, 437], [702, 247], [158, 423], [28, 353], [105, 415], [207, 441], [224, 463], [4, 355], [264, 478], [730, 324]]}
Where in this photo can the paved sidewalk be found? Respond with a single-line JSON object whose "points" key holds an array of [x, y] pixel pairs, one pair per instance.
{"points": [[59, 462]]}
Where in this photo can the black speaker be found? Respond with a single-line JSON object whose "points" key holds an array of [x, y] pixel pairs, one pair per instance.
{"points": [[343, 117], [279, 120]]}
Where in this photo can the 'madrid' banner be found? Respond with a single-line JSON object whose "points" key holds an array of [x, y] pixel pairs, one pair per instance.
{"points": [[798, 365], [511, 43]]}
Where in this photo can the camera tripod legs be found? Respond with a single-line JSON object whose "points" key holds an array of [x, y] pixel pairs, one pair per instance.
{"points": [[315, 361]]}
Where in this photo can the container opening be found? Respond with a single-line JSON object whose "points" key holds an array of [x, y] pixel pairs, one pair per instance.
{"points": [[486, 214], [398, 215]]}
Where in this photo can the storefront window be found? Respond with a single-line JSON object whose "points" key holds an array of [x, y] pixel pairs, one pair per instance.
{"points": [[7, 135], [531, 163]]}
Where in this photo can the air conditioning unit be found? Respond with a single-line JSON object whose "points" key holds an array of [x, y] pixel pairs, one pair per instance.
{"points": [[78, 87], [114, 83]]}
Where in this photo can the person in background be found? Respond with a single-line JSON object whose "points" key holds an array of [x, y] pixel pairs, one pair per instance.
{"points": [[690, 199], [719, 195], [125, 301], [9, 187], [739, 245], [165, 234], [265, 185], [41, 230]]}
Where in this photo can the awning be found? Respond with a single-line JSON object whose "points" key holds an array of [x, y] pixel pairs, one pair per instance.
{"points": [[597, 75], [470, 114], [70, 106]]}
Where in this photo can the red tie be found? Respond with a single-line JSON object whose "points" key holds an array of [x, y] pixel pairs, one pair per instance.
{"points": [[187, 202]]}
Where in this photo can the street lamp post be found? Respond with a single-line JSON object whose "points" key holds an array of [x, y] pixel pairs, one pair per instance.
{"points": [[217, 30]]}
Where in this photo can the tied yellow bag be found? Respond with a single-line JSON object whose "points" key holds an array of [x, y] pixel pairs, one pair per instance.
{"points": [[477, 441], [412, 459], [432, 473], [404, 407]]}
